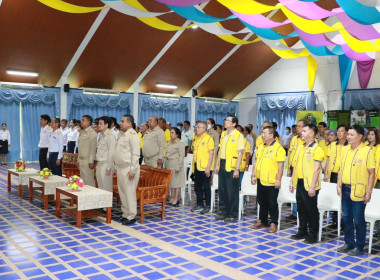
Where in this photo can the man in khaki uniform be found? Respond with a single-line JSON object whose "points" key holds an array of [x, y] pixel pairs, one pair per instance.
{"points": [[105, 155], [154, 144], [128, 169], [87, 151]]}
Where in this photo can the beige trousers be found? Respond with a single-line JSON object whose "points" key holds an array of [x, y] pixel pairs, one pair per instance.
{"points": [[151, 161], [104, 182], [86, 173], [127, 192]]}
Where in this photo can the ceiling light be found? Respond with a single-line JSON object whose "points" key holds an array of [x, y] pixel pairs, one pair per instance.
{"points": [[21, 85], [194, 26], [164, 96], [22, 73], [99, 91], [217, 100], [166, 86]]}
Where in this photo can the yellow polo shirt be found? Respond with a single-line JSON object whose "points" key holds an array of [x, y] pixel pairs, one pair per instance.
{"points": [[141, 138], [202, 147], [333, 159], [377, 160], [267, 159], [167, 135], [244, 161], [259, 141], [240, 143], [324, 147], [317, 156]]}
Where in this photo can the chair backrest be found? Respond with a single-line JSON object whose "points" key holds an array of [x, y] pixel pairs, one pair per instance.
{"points": [[373, 207], [150, 177], [69, 164], [215, 180], [250, 168], [246, 182], [328, 196], [284, 194]]}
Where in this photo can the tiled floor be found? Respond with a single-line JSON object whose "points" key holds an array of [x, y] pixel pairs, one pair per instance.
{"points": [[34, 244]]}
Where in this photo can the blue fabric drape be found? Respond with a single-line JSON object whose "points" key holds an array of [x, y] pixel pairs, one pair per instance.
{"points": [[11, 116], [282, 107], [217, 111], [31, 128], [174, 111], [362, 99], [79, 104]]}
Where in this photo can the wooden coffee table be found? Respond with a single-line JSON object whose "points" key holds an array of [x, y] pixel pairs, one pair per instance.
{"points": [[48, 187], [23, 178], [88, 199]]}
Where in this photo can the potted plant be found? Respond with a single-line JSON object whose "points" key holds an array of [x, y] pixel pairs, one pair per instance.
{"points": [[45, 173], [20, 165], [75, 182]]}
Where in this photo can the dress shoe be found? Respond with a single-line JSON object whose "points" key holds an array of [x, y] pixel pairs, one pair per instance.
{"points": [[205, 210], [310, 240], [129, 221], [220, 218], [333, 226], [272, 228], [299, 235], [355, 252], [258, 225], [344, 249], [197, 209], [121, 219], [291, 217], [230, 220], [175, 204]]}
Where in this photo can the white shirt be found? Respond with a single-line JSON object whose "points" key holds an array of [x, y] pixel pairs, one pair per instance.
{"points": [[187, 136], [65, 131], [5, 135], [56, 143], [72, 134], [115, 132], [286, 140], [250, 140], [44, 136]]}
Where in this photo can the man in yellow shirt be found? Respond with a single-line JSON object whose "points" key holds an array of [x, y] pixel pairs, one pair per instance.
{"points": [[306, 178], [355, 183], [259, 139], [162, 124], [231, 149], [203, 162], [267, 172]]}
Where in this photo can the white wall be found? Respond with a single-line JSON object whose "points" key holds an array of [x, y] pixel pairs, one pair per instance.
{"points": [[290, 75]]}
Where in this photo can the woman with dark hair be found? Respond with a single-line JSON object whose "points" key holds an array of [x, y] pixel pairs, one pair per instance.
{"points": [[373, 139], [174, 159], [5, 142]]}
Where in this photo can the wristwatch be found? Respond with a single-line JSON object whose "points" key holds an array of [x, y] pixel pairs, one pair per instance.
{"points": [[108, 169]]}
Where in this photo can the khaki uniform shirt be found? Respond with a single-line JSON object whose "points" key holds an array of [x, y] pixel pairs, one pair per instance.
{"points": [[106, 148], [127, 151], [154, 143], [175, 154], [215, 137], [87, 145]]}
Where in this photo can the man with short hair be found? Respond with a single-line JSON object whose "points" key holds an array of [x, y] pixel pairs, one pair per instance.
{"points": [[44, 141], [154, 144], [259, 139], [143, 129], [187, 134], [87, 151], [128, 169], [267, 172], [114, 128], [105, 155], [307, 180], [231, 149], [215, 136], [254, 137], [322, 126], [163, 126], [65, 131], [55, 148]]}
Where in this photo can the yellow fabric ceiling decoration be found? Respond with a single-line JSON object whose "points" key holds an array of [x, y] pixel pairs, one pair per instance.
{"points": [[308, 26], [289, 54], [233, 40], [69, 8], [154, 21], [249, 7], [358, 45], [312, 66]]}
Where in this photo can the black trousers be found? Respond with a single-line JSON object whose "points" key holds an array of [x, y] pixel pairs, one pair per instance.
{"points": [[71, 146], [307, 210], [52, 164], [334, 179], [202, 187], [43, 158], [228, 192], [267, 199]]}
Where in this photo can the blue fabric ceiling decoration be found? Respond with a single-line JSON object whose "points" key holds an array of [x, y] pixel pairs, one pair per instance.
{"points": [[165, 104], [228, 109], [282, 101], [362, 99], [122, 100]]}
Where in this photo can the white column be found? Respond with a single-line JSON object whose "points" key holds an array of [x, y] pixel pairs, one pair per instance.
{"points": [[192, 121], [136, 103], [63, 96]]}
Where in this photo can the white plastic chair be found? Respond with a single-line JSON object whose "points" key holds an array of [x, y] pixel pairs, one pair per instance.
{"points": [[372, 214], [328, 200], [285, 196], [250, 168], [188, 182], [246, 189], [214, 187]]}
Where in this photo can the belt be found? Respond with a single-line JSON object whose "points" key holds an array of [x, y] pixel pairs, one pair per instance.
{"points": [[222, 160], [346, 186], [53, 153]]}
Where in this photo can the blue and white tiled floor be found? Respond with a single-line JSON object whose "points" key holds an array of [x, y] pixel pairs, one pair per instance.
{"points": [[34, 244]]}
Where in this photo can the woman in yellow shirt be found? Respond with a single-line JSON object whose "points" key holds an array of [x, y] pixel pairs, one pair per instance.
{"points": [[373, 139]]}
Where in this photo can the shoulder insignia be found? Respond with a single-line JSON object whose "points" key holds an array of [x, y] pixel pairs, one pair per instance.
{"points": [[58, 132], [133, 131], [48, 127], [109, 133], [90, 130]]}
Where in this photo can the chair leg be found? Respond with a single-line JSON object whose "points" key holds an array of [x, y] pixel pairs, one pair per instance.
{"points": [[163, 210], [321, 213], [189, 191], [183, 193], [279, 215], [141, 212], [258, 211], [241, 198], [339, 221], [371, 229], [212, 200]]}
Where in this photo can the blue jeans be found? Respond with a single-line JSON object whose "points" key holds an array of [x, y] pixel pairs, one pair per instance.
{"points": [[353, 213]]}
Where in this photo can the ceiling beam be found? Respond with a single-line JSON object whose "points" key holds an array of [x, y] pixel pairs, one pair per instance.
{"points": [[82, 46]]}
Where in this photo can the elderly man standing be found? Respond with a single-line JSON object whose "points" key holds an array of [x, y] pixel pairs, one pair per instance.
{"points": [[105, 155], [128, 169], [87, 151], [154, 144]]}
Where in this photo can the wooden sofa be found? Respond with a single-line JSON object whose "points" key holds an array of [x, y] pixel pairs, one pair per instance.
{"points": [[69, 165]]}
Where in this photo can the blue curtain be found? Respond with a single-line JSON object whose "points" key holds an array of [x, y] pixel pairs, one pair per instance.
{"points": [[217, 111], [282, 107], [31, 127], [174, 111], [79, 104], [362, 99], [10, 114]]}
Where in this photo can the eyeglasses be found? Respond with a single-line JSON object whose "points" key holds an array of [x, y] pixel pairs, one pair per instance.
{"points": [[228, 120]]}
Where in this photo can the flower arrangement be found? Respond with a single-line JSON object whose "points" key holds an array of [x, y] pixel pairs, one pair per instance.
{"points": [[75, 182], [20, 165], [46, 172]]}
